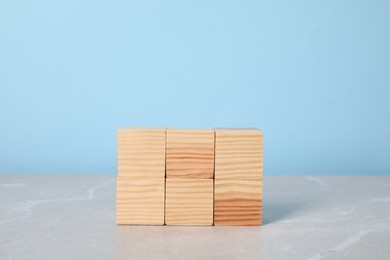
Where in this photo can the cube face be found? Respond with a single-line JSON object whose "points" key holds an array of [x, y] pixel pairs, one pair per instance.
{"points": [[140, 202], [238, 202], [141, 152], [190, 153], [189, 202], [238, 154]]}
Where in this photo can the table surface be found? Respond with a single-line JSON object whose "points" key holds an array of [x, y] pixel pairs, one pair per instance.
{"points": [[305, 217]]}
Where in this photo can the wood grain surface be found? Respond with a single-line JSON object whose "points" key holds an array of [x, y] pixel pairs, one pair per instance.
{"points": [[238, 153], [189, 202], [237, 202], [190, 153], [141, 152], [140, 202]]}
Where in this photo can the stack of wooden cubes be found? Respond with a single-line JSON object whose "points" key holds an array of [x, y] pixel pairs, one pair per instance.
{"points": [[189, 176]]}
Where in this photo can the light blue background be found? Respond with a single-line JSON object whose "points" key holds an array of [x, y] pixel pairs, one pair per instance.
{"points": [[314, 75]]}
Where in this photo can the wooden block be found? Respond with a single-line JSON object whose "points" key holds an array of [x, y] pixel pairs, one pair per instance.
{"points": [[238, 153], [237, 202], [190, 153], [141, 152], [189, 202], [140, 202]]}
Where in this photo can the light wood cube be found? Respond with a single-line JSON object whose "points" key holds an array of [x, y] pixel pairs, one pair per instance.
{"points": [[238, 154], [190, 153], [141, 152], [237, 202], [140, 202], [189, 202]]}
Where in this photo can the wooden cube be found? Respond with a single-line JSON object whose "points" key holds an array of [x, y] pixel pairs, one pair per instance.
{"points": [[190, 153], [140, 201], [238, 154], [141, 152], [189, 202], [237, 202]]}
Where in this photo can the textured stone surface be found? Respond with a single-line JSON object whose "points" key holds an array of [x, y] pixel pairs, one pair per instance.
{"points": [[73, 217]]}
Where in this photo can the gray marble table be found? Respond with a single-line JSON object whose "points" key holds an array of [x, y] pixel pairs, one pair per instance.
{"points": [[305, 217]]}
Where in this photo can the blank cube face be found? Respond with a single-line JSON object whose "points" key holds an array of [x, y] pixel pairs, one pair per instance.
{"points": [[189, 202], [238, 154], [141, 152], [190, 153], [238, 202], [140, 202]]}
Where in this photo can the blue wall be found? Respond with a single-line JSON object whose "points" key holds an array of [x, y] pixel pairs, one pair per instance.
{"points": [[314, 75]]}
